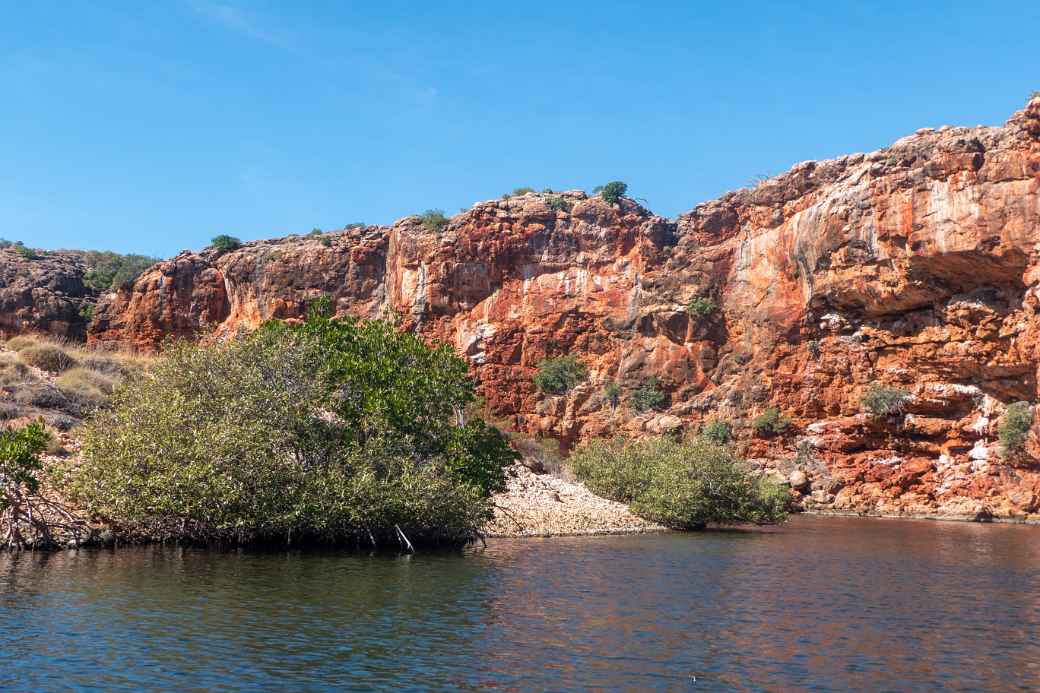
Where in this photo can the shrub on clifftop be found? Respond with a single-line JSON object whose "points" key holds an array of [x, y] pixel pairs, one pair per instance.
{"points": [[434, 220], [225, 244], [684, 484], [613, 191]]}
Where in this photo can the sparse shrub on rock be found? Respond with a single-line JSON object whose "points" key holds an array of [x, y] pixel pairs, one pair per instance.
{"points": [[770, 422], [647, 396], [701, 308], [559, 375], [1014, 427], [880, 400], [720, 432]]}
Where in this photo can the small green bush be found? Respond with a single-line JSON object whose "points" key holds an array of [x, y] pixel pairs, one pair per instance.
{"points": [[718, 431], [315, 232], [26, 252], [20, 462], [326, 241], [612, 393], [1014, 427], [701, 308], [86, 311], [558, 203], [517, 192], [434, 220], [558, 375], [814, 348], [647, 396], [47, 357], [225, 243], [770, 422], [880, 400], [613, 191], [682, 484]]}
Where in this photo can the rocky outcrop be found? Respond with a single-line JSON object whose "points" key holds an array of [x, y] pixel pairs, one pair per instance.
{"points": [[915, 267], [43, 293]]}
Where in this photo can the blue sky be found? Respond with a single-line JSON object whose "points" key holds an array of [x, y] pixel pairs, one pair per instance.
{"points": [[152, 127]]}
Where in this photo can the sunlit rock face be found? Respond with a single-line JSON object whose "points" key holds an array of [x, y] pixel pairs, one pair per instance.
{"points": [[914, 267], [44, 294]]}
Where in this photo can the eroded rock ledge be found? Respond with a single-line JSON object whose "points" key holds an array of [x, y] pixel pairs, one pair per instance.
{"points": [[914, 266]]}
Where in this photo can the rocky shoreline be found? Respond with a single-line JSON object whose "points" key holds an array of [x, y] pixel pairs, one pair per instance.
{"points": [[542, 505]]}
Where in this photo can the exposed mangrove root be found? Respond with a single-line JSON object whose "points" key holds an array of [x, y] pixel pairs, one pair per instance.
{"points": [[404, 539], [33, 521]]}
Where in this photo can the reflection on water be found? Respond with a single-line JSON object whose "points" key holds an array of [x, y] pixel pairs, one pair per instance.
{"points": [[819, 604]]}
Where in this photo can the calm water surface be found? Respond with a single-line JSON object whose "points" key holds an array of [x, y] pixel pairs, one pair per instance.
{"points": [[819, 604]]}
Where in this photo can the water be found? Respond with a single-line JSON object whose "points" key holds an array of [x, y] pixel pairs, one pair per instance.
{"points": [[819, 604]]}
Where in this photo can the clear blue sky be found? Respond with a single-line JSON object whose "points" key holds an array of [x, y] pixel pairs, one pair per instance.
{"points": [[150, 127]]}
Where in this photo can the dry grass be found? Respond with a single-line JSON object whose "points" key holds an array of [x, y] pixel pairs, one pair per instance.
{"points": [[86, 384], [47, 357], [74, 381], [13, 371], [22, 341]]}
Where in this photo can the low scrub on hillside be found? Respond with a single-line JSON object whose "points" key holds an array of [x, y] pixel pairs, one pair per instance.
{"points": [[682, 484], [331, 430], [63, 383]]}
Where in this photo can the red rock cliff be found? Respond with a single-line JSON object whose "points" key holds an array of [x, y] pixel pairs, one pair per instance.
{"points": [[915, 266]]}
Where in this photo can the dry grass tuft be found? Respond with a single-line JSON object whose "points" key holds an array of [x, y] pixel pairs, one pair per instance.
{"points": [[47, 357], [86, 384], [12, 371], [22, 342]]}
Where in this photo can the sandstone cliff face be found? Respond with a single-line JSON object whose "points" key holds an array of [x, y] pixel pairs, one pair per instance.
{"points": [[915, 266], [44, 294]]}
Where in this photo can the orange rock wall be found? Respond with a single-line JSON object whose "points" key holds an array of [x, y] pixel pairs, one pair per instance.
{"points": [[914, 266]]}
